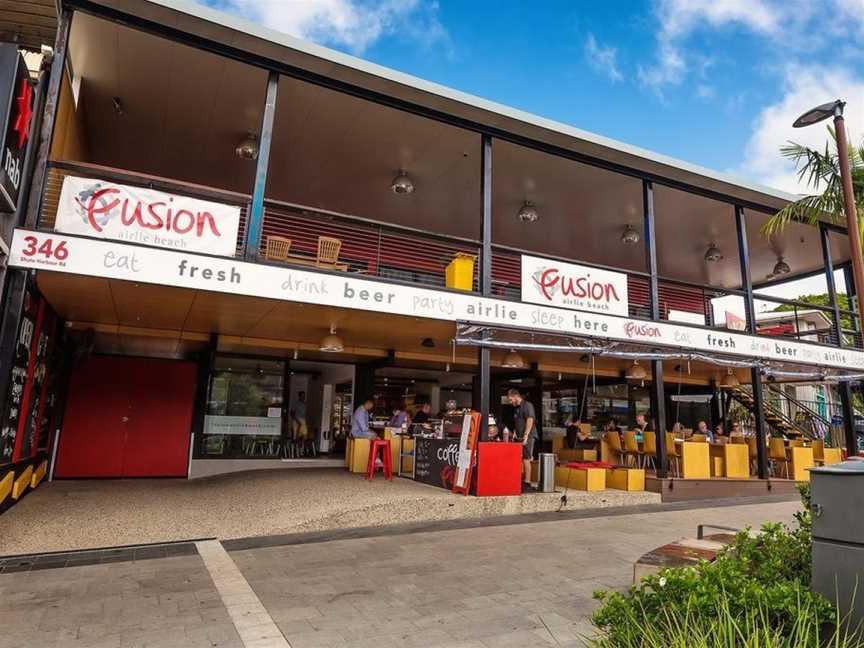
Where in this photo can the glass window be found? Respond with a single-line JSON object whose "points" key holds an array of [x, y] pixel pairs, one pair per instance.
{"points": [[244, 409]]}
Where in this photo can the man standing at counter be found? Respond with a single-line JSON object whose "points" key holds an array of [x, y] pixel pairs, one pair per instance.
{"points": [[526, 430]]}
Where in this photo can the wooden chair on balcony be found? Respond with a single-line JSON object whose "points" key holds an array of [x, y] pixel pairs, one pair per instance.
{"points": [[328, 253], [277, 248], [326, 257]]}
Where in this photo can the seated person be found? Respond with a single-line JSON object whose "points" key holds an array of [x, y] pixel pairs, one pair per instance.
{"points": [[400, 417], [720, 434], [679, 431], [702, 428], [494, 434], [424, 413], [576, 436], [360, 421], [736, 430]]}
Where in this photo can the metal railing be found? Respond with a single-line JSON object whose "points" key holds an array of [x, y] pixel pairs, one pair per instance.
{"points": [[368, 247]]}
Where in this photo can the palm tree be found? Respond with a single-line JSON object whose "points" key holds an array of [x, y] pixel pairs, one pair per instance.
{"points": [[820, 171]]}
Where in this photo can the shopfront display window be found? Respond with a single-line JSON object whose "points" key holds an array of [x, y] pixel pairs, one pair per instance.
{"points": [[244, 416]]}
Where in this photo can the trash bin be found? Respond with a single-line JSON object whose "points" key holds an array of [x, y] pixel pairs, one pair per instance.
{"points": [[837, 499], [546, 483]]}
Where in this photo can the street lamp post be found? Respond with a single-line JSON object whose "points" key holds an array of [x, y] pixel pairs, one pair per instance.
{"points": [[814, 115]]}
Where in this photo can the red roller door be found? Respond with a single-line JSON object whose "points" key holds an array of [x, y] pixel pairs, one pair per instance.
{"points": [[127, 417]]}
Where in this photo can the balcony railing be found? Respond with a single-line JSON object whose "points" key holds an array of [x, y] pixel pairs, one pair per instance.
{"points": [[368, 247], [403, 254]]}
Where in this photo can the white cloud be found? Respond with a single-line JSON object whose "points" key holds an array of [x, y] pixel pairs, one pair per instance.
{"points": [[705, 91], [803, 88], [791, 25], [354, 24], [603, 59]]}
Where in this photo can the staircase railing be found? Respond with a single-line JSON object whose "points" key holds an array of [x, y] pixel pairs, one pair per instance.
{"points": [[773, 416], [814, 417]]}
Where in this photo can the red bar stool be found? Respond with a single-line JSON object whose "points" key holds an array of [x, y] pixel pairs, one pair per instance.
{"points": [[384, 446]]}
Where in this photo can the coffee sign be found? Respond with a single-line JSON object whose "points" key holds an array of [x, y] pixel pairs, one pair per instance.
{"points": [[103, 209], [567, 285]]}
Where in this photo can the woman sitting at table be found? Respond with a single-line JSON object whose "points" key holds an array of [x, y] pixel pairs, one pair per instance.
{"points": [[400, 417], [720, 434]]}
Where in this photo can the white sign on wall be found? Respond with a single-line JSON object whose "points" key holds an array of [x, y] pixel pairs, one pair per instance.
{"points": [[243, 425], [567, 285], [113, 260], [104, 209]]}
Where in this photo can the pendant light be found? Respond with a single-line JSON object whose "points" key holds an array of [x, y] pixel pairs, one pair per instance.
{"points": [[402, 184], [247, 149], [331, 343], [730, 379], [781, 267], [636, 372], [713, 254], [630, 236], [528, 213], [513, 360]]}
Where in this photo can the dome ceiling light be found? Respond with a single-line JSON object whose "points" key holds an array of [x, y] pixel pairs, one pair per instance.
{"points": [[781, 267], [630, 236], [247, 149], [713, 254], [730, 379], [636, 372], [331, 343], [402, 184], [513, 361], [528, 213]]}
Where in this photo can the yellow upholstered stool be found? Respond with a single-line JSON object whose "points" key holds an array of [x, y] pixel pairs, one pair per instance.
{"points": [[359, 456], [802, 461], [832, 456], [694, 460], [628, 479], [577, 454], [587, 479]]}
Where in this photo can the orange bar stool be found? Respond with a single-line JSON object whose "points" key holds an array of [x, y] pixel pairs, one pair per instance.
{"points": [[382, 447]]}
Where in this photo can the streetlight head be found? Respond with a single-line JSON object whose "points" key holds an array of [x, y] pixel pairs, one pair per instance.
{"points": [[819, 113]]}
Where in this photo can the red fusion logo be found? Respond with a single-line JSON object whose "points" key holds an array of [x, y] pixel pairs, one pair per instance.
{"points": [[551, 280], [100, 205], [632, 329]]}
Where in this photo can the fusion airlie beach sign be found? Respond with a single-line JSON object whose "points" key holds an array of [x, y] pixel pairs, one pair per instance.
{"points": [[114, 260], [104, 209], [567, 285]]}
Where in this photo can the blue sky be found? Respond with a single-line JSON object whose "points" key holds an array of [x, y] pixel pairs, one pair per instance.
{"points": [[714, 82]]}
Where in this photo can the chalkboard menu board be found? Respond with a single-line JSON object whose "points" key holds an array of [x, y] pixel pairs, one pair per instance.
{"points": [[435, 461], [12, 416]]}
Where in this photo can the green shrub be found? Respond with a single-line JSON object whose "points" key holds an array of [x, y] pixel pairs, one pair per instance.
{"points": [[755, 594]]}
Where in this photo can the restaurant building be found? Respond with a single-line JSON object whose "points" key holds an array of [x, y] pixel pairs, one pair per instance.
{"points": [[228, 231]]}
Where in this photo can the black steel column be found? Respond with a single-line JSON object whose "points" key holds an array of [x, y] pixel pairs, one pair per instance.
{"points": [[759, 416], [46, 133], [658, 394], [484, 356], [852, 306], [206, 361], [744, 261], [755, 375], [845, 390], [829, 279], [255, 217], [715, 408]]}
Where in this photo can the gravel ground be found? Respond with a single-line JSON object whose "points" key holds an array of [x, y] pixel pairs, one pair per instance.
{"points": [[66, 515]]}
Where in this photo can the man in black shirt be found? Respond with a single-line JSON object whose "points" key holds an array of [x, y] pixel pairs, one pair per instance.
{"points": [[525, 421], [422, 416]]}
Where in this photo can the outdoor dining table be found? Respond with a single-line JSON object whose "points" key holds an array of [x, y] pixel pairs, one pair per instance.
{"points": [[731, 460], [801, 458]]}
